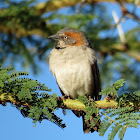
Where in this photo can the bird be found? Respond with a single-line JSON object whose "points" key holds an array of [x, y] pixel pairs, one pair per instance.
{"points": [[73, 63]]}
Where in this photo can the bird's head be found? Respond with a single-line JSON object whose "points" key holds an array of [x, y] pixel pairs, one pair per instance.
{"points": [[68, 37]]}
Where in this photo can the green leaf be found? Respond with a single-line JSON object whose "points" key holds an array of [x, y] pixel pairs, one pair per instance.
{"points": [[122, 132], [24, 94], [104, 126], [113, 90], [118, 84], [47, 113], [115, 128], [21, 94], [1, 84]]}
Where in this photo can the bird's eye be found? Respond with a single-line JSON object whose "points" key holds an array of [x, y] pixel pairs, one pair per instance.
{"points": [[65, 37]]}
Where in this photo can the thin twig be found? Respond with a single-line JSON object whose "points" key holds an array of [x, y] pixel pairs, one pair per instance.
{"points": [[119, 27]]}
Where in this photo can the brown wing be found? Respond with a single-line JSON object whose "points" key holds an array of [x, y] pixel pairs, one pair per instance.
{"points": [[97, 83]]}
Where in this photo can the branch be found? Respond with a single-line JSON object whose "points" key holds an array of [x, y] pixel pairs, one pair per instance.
{"points": [[56, 4], [8, 97], [119, 27], [119, 47], [68, 103], [102, 104], [77, 105]]}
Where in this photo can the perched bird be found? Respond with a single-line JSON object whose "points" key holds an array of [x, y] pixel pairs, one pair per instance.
{"points": [[74, 64]]}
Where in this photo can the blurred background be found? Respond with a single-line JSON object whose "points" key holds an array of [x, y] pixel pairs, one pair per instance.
{"points": [[114, 30]]}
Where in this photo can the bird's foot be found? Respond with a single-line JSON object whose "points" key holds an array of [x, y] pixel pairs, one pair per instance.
{"points": [[62, 98]]}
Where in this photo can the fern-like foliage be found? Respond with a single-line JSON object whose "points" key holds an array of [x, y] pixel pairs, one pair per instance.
{"points": [[28, 95], [34, 101], [117, 120], [89, 109], [125, 116]]}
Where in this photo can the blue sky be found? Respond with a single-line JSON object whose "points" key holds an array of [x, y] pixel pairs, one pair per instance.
{"points": [[14, 126]]}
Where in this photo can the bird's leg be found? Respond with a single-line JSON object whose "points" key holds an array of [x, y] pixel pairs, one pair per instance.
{"points": [[60, 100], [66, 97]]}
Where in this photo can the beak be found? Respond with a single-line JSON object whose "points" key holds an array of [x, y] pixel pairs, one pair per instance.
{"points": [[54, 37]]}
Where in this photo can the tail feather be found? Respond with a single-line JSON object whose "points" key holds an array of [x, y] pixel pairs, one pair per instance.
{"points": [[86, 124]]}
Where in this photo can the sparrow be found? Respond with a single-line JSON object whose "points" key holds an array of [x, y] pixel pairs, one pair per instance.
{"points": [[74, 65]]}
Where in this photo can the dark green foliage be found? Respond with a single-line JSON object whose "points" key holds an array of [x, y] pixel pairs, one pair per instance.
{"points": [[105, 124], [89, 110], [122, 132], [128, 96], [120, 119], [18, 41], [116, 120], [113, 90], [29, 96], [115, 128], [123, 117]]}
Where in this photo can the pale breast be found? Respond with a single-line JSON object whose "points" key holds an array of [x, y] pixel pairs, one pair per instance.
{"points": [[72, 69]]}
